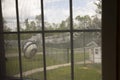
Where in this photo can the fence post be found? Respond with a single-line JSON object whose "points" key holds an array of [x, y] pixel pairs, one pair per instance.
{"points": [[67, 55], [84, 47]]}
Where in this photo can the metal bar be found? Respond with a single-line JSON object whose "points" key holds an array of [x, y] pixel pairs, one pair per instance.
{"points": [[54, 31], [88, 30], [2, 48], [43, 39], [18, 33], [84, 46], [67, 55], [71, 38]]}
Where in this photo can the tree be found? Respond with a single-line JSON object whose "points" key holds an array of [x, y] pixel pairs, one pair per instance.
{"points": [[84, 21], [5, 27], [32, 26], [65, 24], [48, 26], [38, 21], [96, 22], [62, 25], [56, 26], [99, 7], [27, 24], [38, 18]]}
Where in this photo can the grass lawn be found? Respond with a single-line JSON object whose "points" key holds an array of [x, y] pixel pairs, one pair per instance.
{"points": [[11, 50], [88, 72], [12, 63]]}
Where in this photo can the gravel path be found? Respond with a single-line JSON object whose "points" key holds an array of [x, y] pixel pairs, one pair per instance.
{"points": [[16, 55], [26, 73]]}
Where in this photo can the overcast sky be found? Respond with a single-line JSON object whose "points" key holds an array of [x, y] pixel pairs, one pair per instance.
{"points": [[55, 10]]}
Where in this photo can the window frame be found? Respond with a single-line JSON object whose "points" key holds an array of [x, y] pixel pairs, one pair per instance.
{"points": [[109, 40]]}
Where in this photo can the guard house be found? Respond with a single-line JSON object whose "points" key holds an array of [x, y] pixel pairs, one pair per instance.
{"points": [[94, 50]]}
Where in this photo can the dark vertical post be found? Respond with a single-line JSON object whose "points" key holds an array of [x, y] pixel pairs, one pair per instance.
{"points": [[2, 51], [71, 38], [43, 39], [93, 57], [18, 34], [67, 55], [84, 46]]}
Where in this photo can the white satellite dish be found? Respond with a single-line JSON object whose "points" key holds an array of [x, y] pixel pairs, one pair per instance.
{"points": [[29, 49]]}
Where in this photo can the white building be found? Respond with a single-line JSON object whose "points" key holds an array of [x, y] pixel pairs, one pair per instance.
{"points": [[94, 52]]}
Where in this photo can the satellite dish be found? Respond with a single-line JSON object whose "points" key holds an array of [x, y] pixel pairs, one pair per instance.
{"points": [[29, 49]]}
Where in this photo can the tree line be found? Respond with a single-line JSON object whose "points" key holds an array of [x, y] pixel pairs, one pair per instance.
{"points": [[79, 22]]}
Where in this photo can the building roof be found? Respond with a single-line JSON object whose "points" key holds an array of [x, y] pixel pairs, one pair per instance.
{"points": [[92, 44]]}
